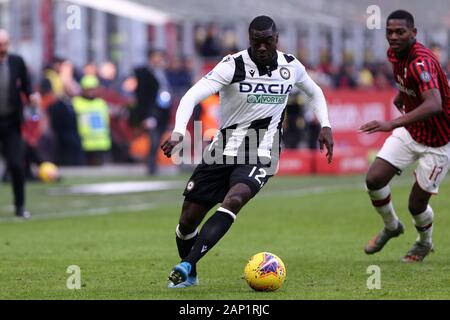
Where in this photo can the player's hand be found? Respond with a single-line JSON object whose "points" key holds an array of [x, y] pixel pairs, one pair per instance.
{"points": [[169, 144], [377, 126], [326, 139]]}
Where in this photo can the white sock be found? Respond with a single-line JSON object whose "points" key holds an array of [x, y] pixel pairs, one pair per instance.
{"points": [[424, 225], [381, 200]]}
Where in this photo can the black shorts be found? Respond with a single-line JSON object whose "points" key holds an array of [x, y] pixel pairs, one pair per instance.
{"points": [[210, 183]]}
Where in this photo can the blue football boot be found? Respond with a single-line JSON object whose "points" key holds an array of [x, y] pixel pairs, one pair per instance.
{"points": [[180, 276]]}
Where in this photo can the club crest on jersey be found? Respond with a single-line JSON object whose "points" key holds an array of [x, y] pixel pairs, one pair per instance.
{"points": [[284, 73], [425, 76], [190, 185]]}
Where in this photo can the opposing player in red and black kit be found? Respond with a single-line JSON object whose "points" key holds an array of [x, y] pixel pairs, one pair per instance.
{"points": [[421, 134]]}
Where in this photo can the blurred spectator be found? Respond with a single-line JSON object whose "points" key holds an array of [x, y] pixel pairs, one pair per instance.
{"points": [[436, 48], [92, 121], [153, 95], [63, 123], [70, 85], [90, 69], [447, 70], [294, 125], [211, 46], [365, 78], [229, 43], [346, 77], [108, 76], [14, 85], [179, 75], [52, 75]]}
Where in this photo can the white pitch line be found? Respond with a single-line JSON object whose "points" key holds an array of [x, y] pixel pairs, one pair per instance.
{"points": [[86, 212], [300, 192]]}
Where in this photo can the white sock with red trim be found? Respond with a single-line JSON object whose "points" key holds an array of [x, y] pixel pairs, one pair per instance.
{"points": [[381, 200], [424, 225]]}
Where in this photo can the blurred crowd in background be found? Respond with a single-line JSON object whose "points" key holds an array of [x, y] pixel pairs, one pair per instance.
{"points": [[92, 116]]}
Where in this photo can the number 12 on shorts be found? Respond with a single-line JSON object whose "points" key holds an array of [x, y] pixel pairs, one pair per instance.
{"points": [[262, 174]]}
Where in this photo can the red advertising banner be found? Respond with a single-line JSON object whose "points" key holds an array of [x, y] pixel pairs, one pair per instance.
{"points": [[348, 110]]}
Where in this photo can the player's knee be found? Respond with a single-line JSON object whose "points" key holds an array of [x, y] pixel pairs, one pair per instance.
{"points": [[188, 222], [374, 182], [234, 203], [417, 207]]}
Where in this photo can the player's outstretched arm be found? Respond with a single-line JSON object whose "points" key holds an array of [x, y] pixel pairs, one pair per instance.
{"points": [[431, 105], [219, 77], [326, 139], [168, 145], [200, 91], [319, 106]]}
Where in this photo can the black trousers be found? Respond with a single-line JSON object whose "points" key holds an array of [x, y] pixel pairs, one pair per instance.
{"points": [[13, 152]]}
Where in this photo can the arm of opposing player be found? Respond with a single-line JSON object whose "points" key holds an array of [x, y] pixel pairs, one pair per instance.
{"points": [[425, 75], [431, 105]]}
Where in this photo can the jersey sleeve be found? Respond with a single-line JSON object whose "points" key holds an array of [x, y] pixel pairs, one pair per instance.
{"points": [[216, 79], [222, 74], [425, 74], [301, 74]]}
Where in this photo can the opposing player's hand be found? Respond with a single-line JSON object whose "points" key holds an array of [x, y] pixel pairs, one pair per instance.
{"points": [[326, 139], [169, 144], [377, 126]]}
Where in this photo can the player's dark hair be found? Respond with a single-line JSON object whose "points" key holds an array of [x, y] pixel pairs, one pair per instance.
{"points": [[402, 15], [261, 23]]}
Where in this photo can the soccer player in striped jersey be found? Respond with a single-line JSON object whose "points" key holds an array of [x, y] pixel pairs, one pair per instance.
{"points": [[421, 134], [254, 85]]}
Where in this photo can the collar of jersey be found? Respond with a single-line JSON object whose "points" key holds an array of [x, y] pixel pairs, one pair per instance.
{"points": [[265, 69]]}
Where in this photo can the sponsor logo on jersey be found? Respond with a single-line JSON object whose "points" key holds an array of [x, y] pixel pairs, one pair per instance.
{"points": [[252, 73], [245, 87], [284, 73], [266, 98]]}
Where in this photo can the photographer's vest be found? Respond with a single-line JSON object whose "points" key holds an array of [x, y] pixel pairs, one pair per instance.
{"points": [[93, 123]]}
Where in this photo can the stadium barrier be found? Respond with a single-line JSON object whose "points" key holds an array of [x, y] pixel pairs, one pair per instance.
{"points": [[307, 162], [348, 110]]}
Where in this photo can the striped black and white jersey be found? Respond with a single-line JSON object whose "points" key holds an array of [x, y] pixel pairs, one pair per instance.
{"points": [[252, 101]]}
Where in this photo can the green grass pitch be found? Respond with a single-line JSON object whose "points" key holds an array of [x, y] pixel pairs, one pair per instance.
{"points": [[125, 247]]}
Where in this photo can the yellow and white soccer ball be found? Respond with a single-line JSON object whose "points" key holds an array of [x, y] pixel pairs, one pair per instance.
{"points": [[48, 172], [265, 272]]}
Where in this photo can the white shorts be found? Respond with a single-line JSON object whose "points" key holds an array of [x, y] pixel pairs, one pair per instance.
{"points": [[401, 151]]}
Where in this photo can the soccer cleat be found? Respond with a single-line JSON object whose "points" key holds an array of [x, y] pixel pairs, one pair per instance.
{"points": [[379, 241], [190, 281], [418, 252], [180, 273], [22, 213]]}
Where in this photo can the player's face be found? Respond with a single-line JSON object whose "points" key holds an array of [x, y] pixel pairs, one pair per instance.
{"points": [[399, 35], [263, 45]]}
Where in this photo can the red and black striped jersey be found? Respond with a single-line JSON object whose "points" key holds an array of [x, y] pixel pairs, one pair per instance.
{"points": [[416, 72]]}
